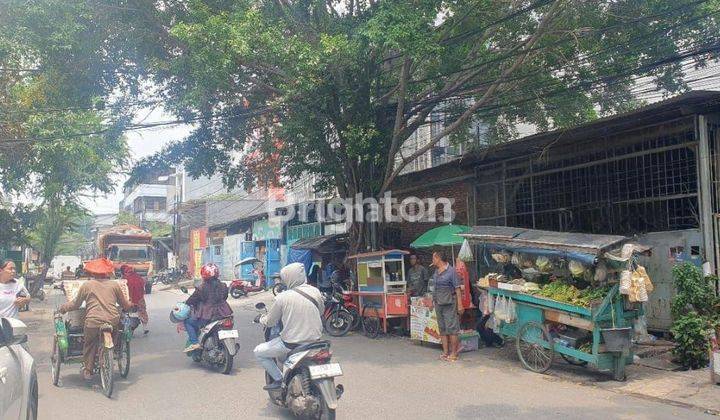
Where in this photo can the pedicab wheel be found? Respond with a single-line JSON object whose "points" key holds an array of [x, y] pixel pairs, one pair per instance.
{"points": [[55, 363], [573, 361], [237, 293], [124, 358], [370, 323], [106, 371], [534, 347]]}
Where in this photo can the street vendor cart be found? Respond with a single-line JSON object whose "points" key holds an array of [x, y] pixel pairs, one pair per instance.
{"points": [[544, 306], [382, 288]]}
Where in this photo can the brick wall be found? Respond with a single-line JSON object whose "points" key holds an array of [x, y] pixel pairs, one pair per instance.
{"points": [[447, 181]]}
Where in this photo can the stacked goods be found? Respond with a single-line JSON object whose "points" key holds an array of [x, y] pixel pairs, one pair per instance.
{"points": [[567, 293]]}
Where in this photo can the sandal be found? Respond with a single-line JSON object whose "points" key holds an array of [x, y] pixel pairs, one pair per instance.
{"points": [[443, 357], [452, 358]]}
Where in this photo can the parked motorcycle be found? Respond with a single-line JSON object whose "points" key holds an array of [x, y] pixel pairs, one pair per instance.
{"points": [[337, 320], [308, 388], [240, 288], [218, 341]]}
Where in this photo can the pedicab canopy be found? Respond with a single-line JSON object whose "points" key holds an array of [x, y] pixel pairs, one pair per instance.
{"points": [[584, 247]]}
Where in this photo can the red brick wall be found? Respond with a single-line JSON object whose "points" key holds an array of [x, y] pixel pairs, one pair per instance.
{"points": [[434, 183]]}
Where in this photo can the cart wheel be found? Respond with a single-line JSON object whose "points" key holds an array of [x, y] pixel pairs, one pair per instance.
{"points": [[106, 371], [534, 347], [55, 363], [573, 361], [371, 322], [124, 358]]}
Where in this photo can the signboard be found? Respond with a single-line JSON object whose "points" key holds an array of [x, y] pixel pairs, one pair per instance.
{"points": [[198, 262], [264, 230], [198, 238]]}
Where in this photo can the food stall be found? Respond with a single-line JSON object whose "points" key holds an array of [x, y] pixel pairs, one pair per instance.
{"points": [[381, 283], [576, 295], [423, 320]]}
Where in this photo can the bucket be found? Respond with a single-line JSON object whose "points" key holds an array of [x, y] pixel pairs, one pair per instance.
{"points": [[617, 339]]}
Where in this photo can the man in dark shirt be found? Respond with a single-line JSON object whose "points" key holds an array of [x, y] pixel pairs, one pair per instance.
{"points": [[417, 276], [447, 300]]}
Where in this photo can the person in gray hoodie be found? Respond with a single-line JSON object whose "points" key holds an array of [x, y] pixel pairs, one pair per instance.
{"points": [[299, 308]]}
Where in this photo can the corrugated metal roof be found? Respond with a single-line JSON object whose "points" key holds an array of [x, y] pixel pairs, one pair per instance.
{"points": [[532, 238], [336, 242]]}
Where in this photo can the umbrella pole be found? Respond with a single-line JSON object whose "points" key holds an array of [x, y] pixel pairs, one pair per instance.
{"points": [[452, 248]]}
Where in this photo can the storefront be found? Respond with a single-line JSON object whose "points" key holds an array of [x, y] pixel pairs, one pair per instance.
{"points": [[265, 246]]}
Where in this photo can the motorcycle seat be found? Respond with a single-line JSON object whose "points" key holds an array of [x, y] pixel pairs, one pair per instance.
{"points": [[309, 346]]}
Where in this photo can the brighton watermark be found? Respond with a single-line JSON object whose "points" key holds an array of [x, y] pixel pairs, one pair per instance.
{"points": [[361, 209]]}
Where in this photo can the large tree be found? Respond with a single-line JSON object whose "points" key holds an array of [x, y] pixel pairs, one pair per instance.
{"points": [[334, 88], [58, 140]]}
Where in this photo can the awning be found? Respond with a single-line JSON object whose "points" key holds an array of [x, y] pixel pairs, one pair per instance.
{"points": [[324, 244], [530, 238]]}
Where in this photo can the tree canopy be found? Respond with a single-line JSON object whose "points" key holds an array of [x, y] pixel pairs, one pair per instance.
{"points": [[335, 88]]}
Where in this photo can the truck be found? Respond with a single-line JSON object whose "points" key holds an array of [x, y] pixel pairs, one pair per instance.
{"points": [[60, 263], [127, 245]]}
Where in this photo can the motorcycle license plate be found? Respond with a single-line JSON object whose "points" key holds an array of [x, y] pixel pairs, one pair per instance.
{"points": [[325, 371], [223, 334]]}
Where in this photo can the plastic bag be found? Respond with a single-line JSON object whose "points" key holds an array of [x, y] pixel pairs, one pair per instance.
{"points": [[465, 253], [543, 264], [600, 273], [576, 268], [500, 308], [625, 282], [510, 314], [501, 257]]}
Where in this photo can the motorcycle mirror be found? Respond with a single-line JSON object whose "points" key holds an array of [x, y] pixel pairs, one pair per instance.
{"points": [[184, 289], [260, 306]]}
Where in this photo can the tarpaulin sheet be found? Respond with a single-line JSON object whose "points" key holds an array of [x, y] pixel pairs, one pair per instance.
{"points": [[303, 256]]}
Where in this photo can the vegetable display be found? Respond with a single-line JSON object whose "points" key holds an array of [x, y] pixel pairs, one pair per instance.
{"points": [[567, 293]]}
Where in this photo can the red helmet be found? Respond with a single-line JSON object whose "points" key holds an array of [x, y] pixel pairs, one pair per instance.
{"points": [[209, 271]]}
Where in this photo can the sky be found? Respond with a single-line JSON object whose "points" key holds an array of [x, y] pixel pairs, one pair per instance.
{"points": [[142, 143]]}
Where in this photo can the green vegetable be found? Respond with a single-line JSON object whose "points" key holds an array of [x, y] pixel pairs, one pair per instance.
{"points": [[567, 293]]}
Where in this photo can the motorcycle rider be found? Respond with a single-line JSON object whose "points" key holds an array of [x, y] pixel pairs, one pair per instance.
{"points": [[299, 310], [209, 303]]}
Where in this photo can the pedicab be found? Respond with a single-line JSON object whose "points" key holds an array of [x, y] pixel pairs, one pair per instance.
{"points": [[592, 326], [69, 337]]}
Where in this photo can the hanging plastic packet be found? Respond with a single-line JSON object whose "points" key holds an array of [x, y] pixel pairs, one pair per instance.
{"points": [[511, 312], [465, 253]]}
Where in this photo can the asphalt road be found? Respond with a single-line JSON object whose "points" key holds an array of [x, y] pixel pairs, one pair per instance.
{"points": [[387, 378]]}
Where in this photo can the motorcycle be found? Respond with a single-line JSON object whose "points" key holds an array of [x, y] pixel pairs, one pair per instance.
{"points": [[308, 384], [240, 288], [337, 319], [218, 341]]}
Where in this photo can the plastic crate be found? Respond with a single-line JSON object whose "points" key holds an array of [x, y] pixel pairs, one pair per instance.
{"points": [[469, 341]]}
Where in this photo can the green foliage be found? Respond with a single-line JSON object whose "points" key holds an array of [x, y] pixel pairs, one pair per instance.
{"points": [[695, 293], [690, 332], [126, 218], [695, 313]]}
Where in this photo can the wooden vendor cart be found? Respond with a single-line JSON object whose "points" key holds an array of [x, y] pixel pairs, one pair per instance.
{"points": [[382, 288], [599, 335]]}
